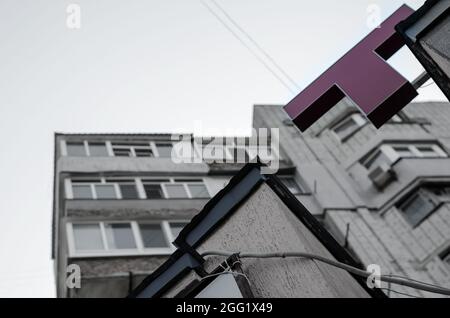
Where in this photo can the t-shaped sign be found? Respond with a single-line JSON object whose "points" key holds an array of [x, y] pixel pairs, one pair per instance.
{"points": [[362, 75]]}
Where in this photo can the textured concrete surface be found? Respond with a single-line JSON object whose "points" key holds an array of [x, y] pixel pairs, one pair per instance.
{"points": [[264, 224]]}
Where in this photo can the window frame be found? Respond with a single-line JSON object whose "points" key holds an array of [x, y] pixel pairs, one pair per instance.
{"points": [[104, 234], [357, 118], [131, 147], [445, 257], [71, 193], [145, 181], [229, 149], [191, 196], [413, 148], [155, 146], [140, 248], [169, 222], [102, 182], [426, 195], [166, 234], [118, 181], [300, 188], [166, 185], [71, 237], [388, 149], [87, 152], [185, 184], [88, 145], [66, 148], [198, 150], [139, 183]]}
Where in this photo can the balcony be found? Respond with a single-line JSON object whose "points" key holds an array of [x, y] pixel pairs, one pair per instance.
{"points": [[136, 164], [408, 171], [139, 208]]}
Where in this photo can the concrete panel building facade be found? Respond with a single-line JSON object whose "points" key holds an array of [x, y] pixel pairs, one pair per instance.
{"points": [[120, 200], [382, 193]]}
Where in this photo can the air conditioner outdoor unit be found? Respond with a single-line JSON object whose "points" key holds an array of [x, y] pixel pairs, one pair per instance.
{"points": [[382, 175]]}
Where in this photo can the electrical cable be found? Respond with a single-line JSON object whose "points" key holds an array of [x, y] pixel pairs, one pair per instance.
{"points": [[385, 278], [226, 272], [397, 292], [411, 279], [247, 47], [252, 40]]}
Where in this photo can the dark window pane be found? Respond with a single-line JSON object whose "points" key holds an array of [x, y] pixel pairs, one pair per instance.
{"points": [[188, 180], [98, 149], [427, 151], [122, 152], [446, 259], [292, 185], [120, 236], [376, 160], [128, 191], [142, 152], [76, 149], [152, 235], [417, 209], [403, 151], [346, 128], [81, 191], [87, 237], [153, 191]]}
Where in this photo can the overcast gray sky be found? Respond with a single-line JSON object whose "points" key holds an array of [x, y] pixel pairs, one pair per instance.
{"points": [[143, 66]]}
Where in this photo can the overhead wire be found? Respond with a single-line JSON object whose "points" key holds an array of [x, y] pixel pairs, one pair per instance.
{"points": [[401, 293], [253, 41], [248, 47]]}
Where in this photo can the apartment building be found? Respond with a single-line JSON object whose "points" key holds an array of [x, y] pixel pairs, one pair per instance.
{"points": [[384, 194], [120, 200]]}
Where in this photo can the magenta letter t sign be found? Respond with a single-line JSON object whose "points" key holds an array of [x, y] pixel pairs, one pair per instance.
{"points": [[363, 76]]}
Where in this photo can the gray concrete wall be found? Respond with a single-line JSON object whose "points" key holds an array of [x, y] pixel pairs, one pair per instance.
{"points": [[264, 224], [379, 233]]}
